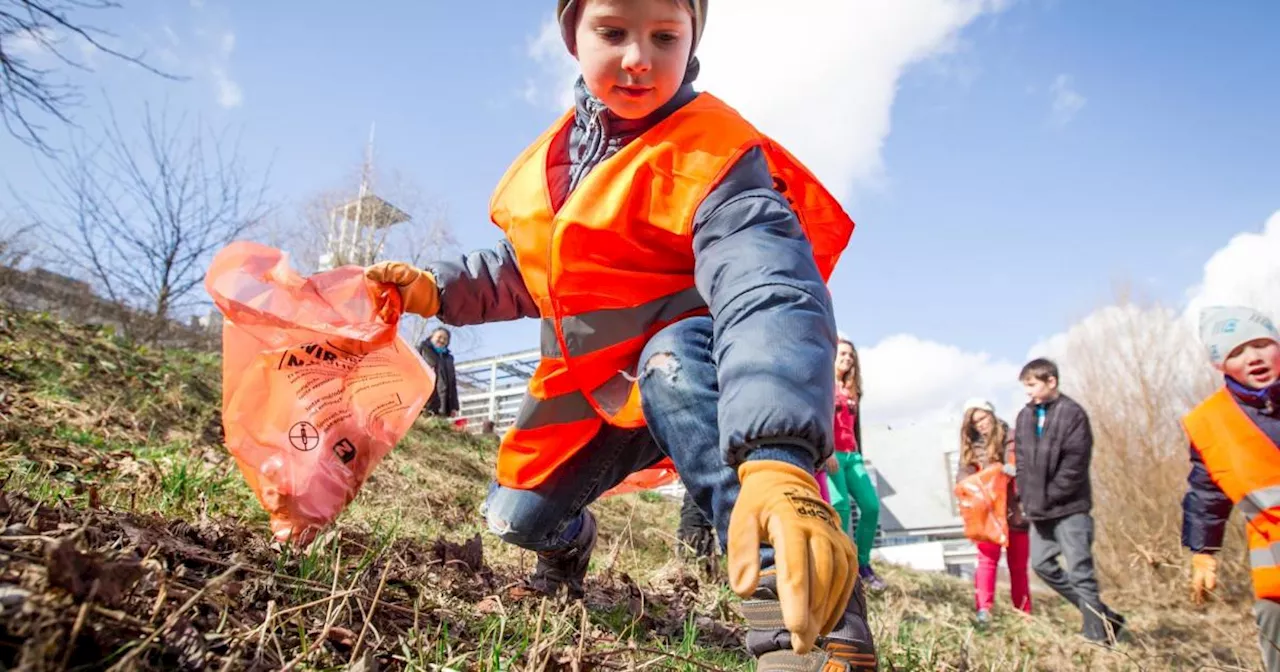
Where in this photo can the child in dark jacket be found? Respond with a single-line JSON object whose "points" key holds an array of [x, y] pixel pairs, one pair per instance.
{"points": [[1054, 446], [1235, 462], [664, 243]]}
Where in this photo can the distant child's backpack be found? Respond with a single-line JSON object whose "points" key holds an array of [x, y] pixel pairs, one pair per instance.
{"points": [[983, 500]]}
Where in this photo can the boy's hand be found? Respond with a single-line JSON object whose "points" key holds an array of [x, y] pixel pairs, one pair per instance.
{"points": [[780, 504], [418, 292], [1204, 576]]}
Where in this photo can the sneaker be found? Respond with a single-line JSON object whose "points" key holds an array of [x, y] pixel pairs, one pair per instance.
{"points": [[984, 617], [873, 582], [847, 648], [566, 567], [1102, 625]]}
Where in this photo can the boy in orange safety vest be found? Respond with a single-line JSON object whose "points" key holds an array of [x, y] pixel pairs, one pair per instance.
{"points": [[677, 259], [1235, 462]]}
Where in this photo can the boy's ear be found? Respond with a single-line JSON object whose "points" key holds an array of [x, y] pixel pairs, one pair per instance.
{"points": [[1052, 381]]}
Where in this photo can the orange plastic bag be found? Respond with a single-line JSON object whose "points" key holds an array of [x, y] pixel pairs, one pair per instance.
{"points": [[316, 389], [660, 474], [983, 500]]}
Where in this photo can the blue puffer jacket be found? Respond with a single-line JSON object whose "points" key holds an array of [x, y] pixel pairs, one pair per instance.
{"points": [[774, 328], [1205, 508]]}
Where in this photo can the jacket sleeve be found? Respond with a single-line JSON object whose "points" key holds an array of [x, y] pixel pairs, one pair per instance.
{"points": [[1205, 509], [1073, 465], [774, 332], [483, 286]]}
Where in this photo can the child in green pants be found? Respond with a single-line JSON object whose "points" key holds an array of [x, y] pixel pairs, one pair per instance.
{"points": [[847, 477]]}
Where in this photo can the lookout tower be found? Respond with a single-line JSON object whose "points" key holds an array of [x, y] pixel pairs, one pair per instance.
{"points": [[358, 228]]}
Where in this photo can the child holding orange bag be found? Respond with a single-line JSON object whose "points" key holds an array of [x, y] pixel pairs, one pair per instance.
{"points": [[664, 243], [985, 440]]}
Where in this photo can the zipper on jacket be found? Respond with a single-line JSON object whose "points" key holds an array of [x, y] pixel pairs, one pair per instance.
{"points": [[597, 119]]}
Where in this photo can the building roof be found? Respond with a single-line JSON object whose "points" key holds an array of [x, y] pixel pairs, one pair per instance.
{"points": [[914, 467], [373, 212]]}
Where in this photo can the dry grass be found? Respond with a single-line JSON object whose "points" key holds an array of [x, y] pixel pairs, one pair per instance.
{"points": [[126, 532]]}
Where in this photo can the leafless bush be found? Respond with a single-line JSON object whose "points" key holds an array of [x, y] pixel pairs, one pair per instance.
{"points": [[140, 220], [1137, 369]]}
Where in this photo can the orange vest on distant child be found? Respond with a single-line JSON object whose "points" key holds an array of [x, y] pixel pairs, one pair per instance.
{"points": [[1244, 462], [615, 265]]}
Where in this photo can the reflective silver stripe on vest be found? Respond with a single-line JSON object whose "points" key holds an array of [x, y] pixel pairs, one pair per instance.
{"points": [[571, 407], [1264, 558], [548, 345], [613, 394], [599, 329], [1260, 500]]}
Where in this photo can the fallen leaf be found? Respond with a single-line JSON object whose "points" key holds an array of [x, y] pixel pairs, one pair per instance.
{"points": [[76, 572], [342, 636]]}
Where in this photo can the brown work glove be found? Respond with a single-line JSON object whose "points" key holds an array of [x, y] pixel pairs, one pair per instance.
{"points": [[1204, 576], [418, 292], [780, 504]]}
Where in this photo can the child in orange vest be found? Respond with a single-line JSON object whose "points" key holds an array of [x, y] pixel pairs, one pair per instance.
{"points": [[1235, 462], [665, 244]]}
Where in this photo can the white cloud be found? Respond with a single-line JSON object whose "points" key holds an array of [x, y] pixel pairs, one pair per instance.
{"points": [[229, 93], [31, 43], [553, 87], [910, 380], [1067, 102], [1245, 271], [825, 84]]}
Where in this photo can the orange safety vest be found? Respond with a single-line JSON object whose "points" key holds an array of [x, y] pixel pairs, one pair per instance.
{"points": [[615, 265], [1245, 463]]}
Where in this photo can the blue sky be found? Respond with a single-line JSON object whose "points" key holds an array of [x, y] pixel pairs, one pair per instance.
{"points": [[1008, 162]]}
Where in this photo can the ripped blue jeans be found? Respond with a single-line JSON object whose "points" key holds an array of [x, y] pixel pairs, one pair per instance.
{"points": [[679, 394]]}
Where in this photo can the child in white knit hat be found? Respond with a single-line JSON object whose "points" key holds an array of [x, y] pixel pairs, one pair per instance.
{"points": [[1235, 462]]}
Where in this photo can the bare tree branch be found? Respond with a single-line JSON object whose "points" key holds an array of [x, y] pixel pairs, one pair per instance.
{"points": [[27, 91], [141, 220]]}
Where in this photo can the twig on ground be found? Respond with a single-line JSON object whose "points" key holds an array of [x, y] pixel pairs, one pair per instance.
{"points": [[75, 628], [173, 619], [262, 631], [355, 651]]}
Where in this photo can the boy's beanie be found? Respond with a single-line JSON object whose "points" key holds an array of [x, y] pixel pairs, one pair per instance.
{"points": [[567, 12], [1225, 328]]}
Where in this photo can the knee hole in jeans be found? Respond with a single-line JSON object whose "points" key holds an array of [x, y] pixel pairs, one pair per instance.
{"points": [[664, 363]]}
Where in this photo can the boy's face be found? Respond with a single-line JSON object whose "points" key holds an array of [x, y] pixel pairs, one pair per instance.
{"points": [[633, 53], [1040, 391], [1255, 364]]}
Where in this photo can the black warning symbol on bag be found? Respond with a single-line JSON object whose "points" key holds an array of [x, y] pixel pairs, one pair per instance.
{"points": [[304, 436], [345, 450]]}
